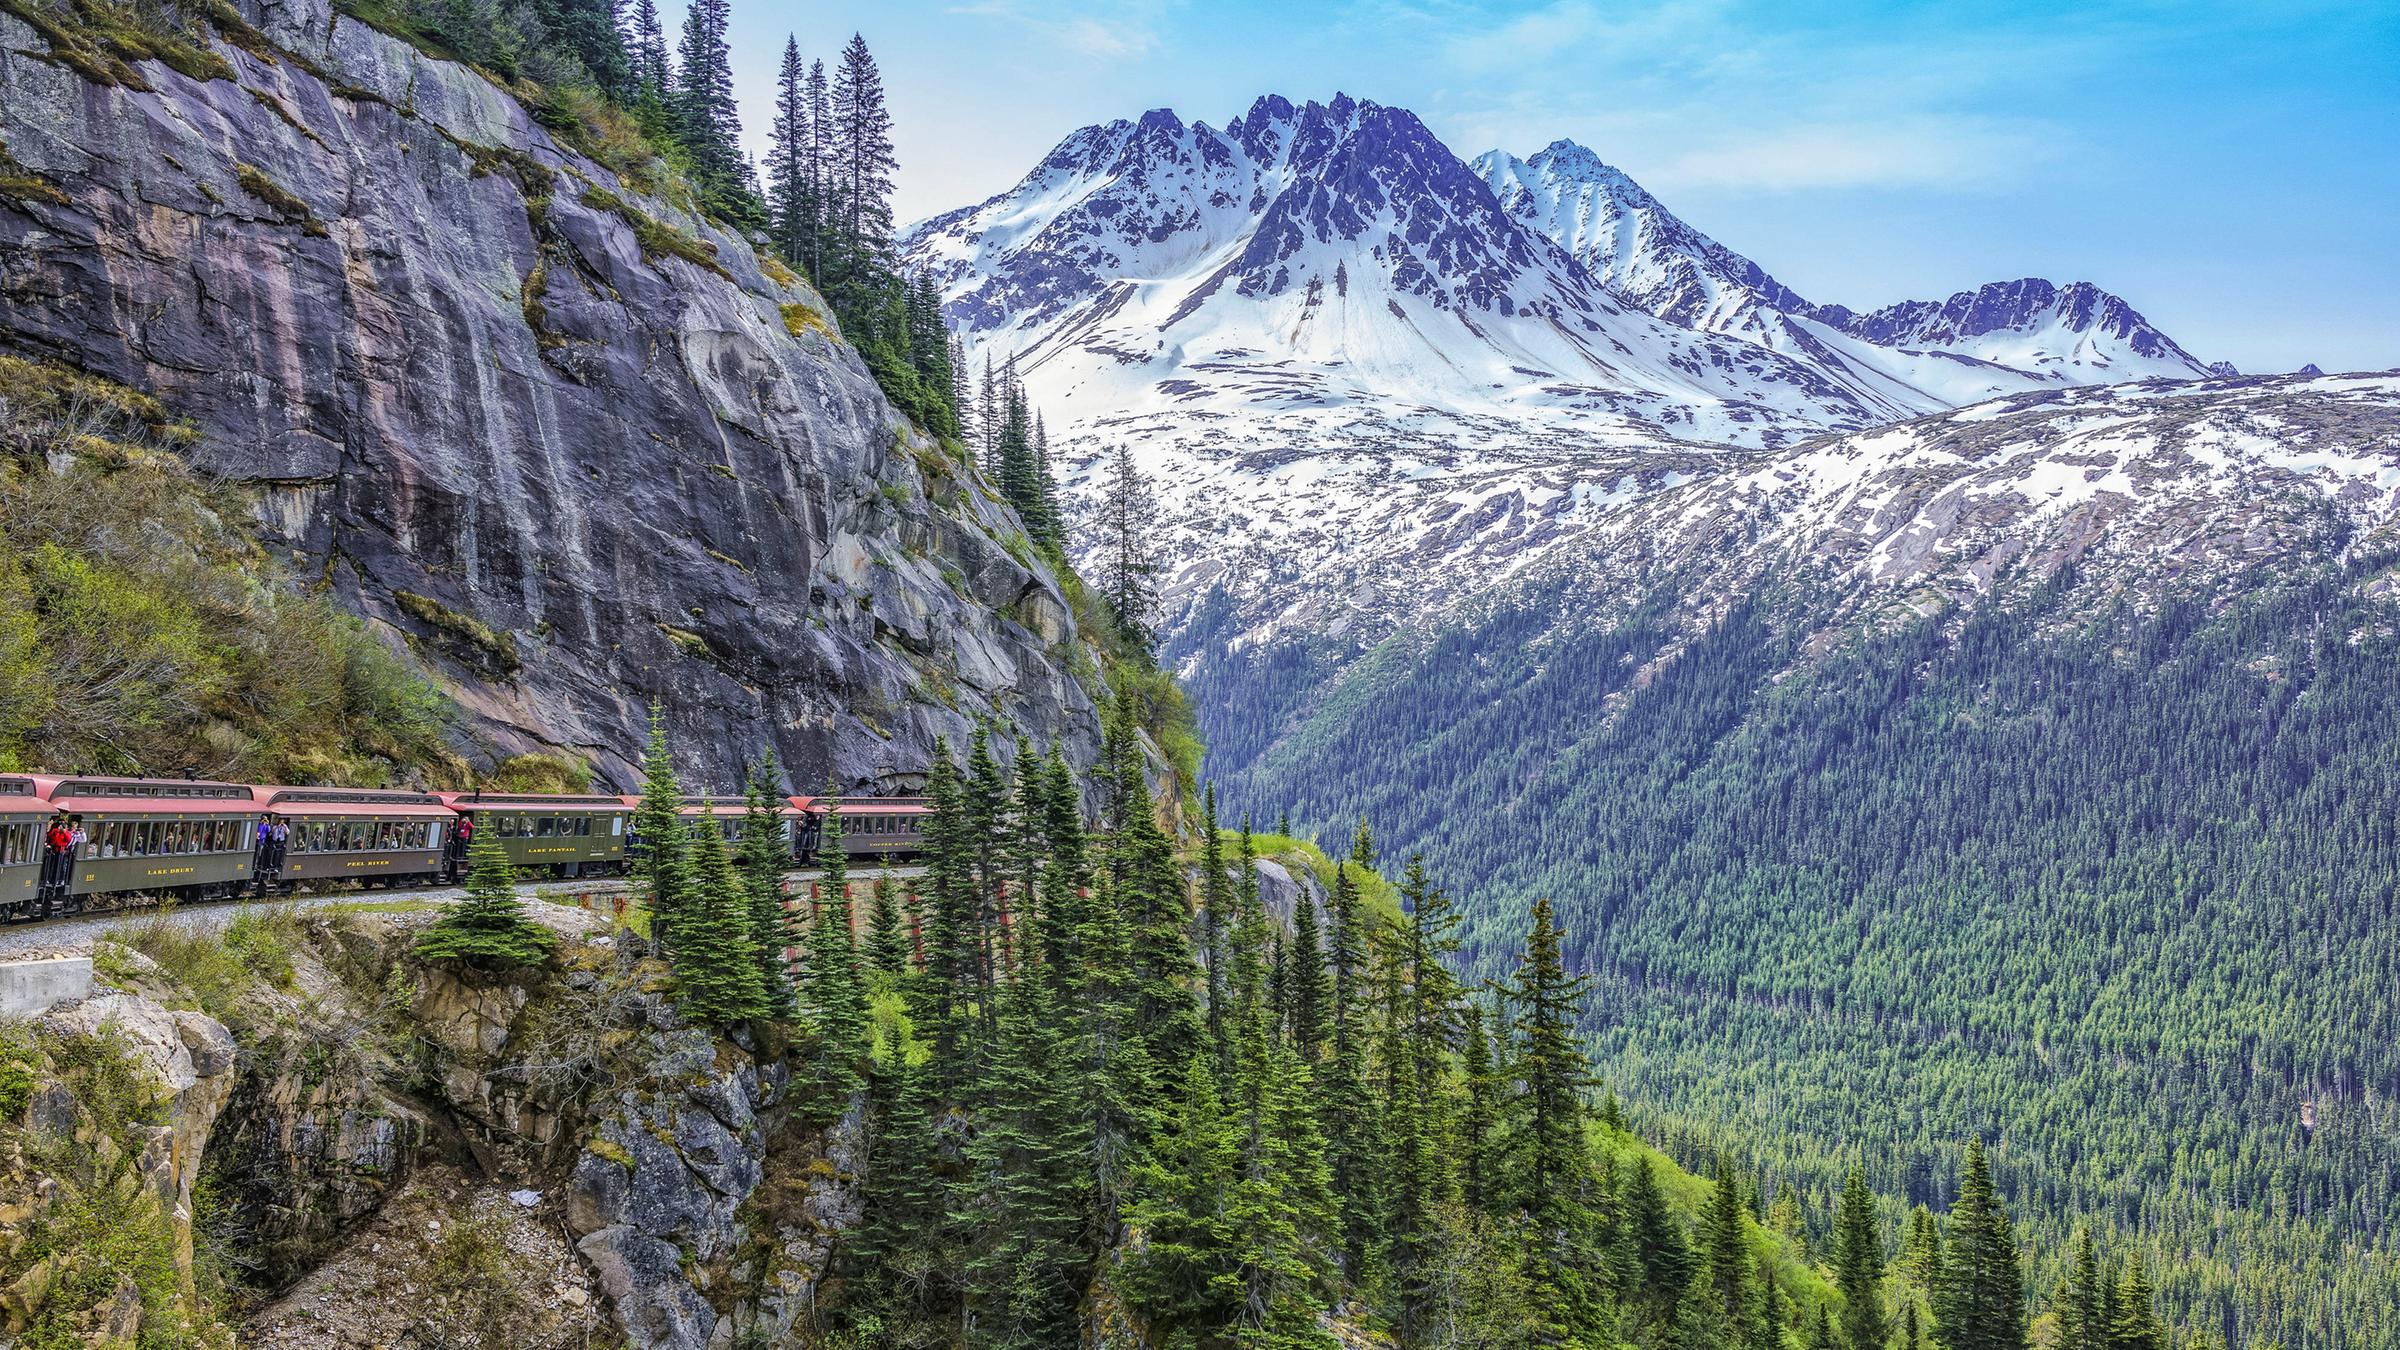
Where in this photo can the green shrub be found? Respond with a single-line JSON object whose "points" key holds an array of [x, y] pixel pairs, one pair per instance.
{"points": [[656, 238], [288, 208], [481, 645], [539, 773], [16, 1089], [169, 640]]}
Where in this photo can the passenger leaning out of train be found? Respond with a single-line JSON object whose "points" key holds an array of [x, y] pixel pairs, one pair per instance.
{"points": [[461, 834], [58, 855], [265, 862]]}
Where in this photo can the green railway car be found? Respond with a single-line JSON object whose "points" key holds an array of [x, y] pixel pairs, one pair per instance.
{"points": [[553, 834], [872, 827], [157, 838], [373, 836], [23, 818]]}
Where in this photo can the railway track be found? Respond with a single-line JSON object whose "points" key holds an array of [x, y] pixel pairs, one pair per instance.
{"points": [[73, 934]]}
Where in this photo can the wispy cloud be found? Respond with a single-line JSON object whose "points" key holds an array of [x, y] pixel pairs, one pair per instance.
{"points": [[1953, 153], [1106, 32]]}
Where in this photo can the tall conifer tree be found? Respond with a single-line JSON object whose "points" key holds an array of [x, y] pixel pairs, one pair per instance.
{"points": [[1858, 1265], [663, 867]]}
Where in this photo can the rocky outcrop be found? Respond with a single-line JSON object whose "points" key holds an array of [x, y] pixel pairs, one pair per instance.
{"points": [[408, 1145], [577, 446]]}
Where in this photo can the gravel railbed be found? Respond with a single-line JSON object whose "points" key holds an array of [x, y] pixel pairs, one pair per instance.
{"points": [[73, 936]]}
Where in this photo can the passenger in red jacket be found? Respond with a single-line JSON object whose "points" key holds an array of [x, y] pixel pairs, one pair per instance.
{"points": [[58, 859]]}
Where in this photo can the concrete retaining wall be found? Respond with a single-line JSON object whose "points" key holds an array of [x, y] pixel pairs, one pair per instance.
{"points": [[31, 988]]}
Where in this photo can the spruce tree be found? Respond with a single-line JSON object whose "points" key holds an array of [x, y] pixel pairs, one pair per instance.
{"points": [[708, 118], [791, 204], [952, 983], [1921, 1249], [1725, 1261], [763, 857], [715, 963], [1661, 1256], [487, 929], [1978, 1299], [1858, 1265], [663, 865], [2078, 1308], [861, 166], [832, 995], [647, 51], [1553, 1071], [2135, 1324], [1066, 876], [903, 1255], [1183, 1279], [887, 934], [1479, 1120], [1026, 1268], [1119, 1082], [1310, 992], [1281, 1211], [1353, 1125], [1129, 528], [1771, 1312], [1150, 891], [1216, 919]]}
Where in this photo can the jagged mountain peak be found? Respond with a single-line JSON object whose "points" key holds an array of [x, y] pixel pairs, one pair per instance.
{"points": [[1631, 243], [1326, 254], [2025, 305]]}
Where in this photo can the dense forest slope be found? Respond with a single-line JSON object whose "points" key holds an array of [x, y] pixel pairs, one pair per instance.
{"points": [[578, 444], [2024, 773]]}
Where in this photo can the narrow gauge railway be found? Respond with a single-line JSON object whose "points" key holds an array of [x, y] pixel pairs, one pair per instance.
{"points": [[74, 845]]}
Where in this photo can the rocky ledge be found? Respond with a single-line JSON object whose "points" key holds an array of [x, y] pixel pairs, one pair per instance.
{"points": [[575, 445]]}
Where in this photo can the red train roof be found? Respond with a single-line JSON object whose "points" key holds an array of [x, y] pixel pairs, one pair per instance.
{"points": [[866, 806], [388, 803]]}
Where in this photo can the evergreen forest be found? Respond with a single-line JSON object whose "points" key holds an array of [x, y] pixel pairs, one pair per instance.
{"points": [[2110, 889]]}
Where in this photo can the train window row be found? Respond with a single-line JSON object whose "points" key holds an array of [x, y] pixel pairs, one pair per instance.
{"points": [[19, 844], [548, 827], [877, 825], [150, 838], [351, 836]]}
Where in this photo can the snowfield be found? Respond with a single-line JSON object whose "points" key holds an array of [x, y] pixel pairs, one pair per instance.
{"points": [[1377, 386]]}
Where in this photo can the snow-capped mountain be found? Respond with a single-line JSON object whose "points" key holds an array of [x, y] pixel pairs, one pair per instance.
{"points": [[1334, 258], [1915, 356], [1373, 383], [1634, 245]]}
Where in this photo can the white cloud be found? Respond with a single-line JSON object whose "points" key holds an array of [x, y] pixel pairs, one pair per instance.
{"points": [[1118, 32], [1954, 153]]}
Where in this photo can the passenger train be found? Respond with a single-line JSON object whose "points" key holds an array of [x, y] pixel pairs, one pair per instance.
{"points": [[148, 840]]}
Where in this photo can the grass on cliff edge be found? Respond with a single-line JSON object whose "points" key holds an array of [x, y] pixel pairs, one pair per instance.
{"points": [[88, 1232], [143, 629]]}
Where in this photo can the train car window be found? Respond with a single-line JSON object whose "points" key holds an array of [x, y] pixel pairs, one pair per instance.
{"points": [[546, 827], [583, 827], [616, 825]]}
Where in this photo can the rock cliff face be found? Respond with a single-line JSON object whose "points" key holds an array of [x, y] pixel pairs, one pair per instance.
{"points": [[393, 1153], [576, 445]]}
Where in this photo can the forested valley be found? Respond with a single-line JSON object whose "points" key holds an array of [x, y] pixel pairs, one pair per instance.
{"points": [[1107, 1087], [2021, 979], [2110, 889]]}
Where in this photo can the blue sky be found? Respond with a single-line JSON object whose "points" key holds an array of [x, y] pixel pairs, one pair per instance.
{"points": [[2232, 170]]}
